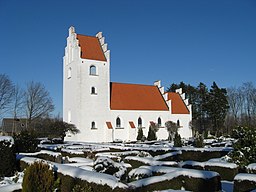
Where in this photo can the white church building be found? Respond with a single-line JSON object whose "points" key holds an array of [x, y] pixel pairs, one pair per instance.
{"points": [[107, 111]]}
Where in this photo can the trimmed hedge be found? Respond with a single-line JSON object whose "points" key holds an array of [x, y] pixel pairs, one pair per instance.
{"points": [[243, 185], [188, 183], [68, 183], [201, 155], [226, 173]]}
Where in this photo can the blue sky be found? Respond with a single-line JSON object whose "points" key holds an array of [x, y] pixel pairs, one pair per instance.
{"points": [[172, 40]]}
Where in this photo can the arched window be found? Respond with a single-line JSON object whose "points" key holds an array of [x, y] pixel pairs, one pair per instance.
{"points": [[159, 122], [92, 70], [139, 122], [118, 122], [69, 72], [178, 123], [93, 90], [93, 126]]}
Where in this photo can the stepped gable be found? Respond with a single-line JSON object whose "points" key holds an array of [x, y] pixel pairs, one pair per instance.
{"points": [[91, 48]]}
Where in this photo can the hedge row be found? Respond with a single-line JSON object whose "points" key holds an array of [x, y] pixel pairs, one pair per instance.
{"points": [[226, 173], [244, 182], [183, 182]]}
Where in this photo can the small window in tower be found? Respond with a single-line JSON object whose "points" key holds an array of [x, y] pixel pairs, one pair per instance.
{"points": [[93, 125], [92, 70], [139, 122], [93, 91], [159, 122], [118, 122], [69, 72]]}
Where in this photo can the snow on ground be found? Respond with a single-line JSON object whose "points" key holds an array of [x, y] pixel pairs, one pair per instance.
{"points": [[7, 138], [151, 161], [117, 154], [73, 151], [227, 186], [12, 183], [81, 160], [210, 162], [251, 167], [245, 176], [166, 155], [51, 153]]}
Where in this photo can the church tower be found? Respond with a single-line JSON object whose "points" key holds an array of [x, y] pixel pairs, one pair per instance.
{"points": [[86, 85]]}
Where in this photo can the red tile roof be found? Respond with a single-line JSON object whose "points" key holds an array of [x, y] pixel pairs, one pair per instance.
{"points": [[178, 105], [136, 97], [90, 48]]}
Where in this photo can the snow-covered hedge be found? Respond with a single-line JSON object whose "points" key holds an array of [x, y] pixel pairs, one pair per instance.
{"points": [[244, 182], [71, 176], [179, 178], [226, 170], [203, 154]]}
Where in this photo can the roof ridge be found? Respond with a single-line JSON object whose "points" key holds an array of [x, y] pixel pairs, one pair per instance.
{"points": [[87, 35], [134, 84]]}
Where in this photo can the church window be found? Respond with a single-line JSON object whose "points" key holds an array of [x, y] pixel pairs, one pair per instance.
{"points": [[93, 91], [159, 122], [118, 122], [178, 123], [69, 73], [93, 125], [139, 122], [92, 70]]}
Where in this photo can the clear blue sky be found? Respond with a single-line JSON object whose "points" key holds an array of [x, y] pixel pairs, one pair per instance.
{"points": [[171, 40]]}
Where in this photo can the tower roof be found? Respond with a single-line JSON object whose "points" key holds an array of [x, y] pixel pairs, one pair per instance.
{"points": [[136, 97], [91, 48]]}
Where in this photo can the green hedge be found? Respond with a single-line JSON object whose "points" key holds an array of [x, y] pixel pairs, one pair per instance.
{"points": [[201, 155], [188, 183], [68, 183], [225, 172], [244, 185]]}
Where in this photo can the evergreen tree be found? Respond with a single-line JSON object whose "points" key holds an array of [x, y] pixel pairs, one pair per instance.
{"points": [[244, 151], [199, 140], [201, 105], [140, 134], [7, 158], [152, 132], [217, 107], [38, 177], [177, 140]]}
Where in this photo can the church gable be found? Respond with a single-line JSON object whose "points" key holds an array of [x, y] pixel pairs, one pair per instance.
{"points": [[136, 97], [91, 48], [178, 105]]}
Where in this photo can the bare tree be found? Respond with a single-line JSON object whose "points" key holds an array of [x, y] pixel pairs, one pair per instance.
{"points": [[38, 101], [6, 93], [249, 93], [17, 106], [18, 102], [172, 129]]}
